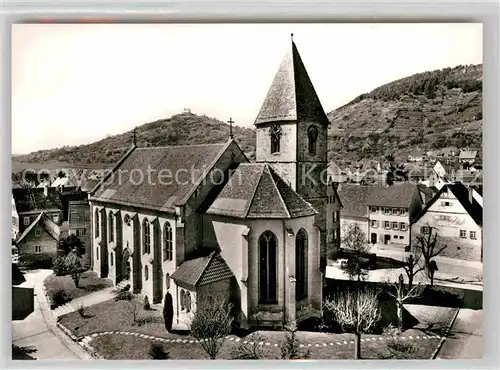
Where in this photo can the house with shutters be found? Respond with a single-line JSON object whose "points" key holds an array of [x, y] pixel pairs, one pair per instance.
{"points": [[383, 213], [208, 221]]}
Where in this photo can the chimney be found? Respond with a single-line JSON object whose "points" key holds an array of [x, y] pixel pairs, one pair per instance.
{"points": [[46, 190], [471, 194]]}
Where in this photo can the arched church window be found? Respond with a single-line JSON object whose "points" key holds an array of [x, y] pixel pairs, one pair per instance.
{"points": [[167, 242], [301, 265], [182, 299], [96, 223], [267, 268], [111, 227], [275, 133], [188, 301], [312, 134], [146, 272], [146, 236], [111, 258]]}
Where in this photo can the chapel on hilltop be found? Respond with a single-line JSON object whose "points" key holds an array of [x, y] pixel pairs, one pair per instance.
{"points": [[255, 232]]}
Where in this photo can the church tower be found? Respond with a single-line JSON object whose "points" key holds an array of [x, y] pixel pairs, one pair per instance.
{"points": [[292, 135]]}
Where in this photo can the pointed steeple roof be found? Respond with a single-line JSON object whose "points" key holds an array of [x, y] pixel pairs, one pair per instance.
{"points": [[292, 95]]}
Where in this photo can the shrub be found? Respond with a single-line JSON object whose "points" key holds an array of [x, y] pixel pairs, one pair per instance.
{"points": [[290, 346], [60, 267], [123, 295], [59, 297], [146, 304], [157, 352], [143, 320]]}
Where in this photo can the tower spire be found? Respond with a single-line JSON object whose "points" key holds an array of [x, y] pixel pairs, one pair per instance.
{"points": [[291, 36], [230, 127]]}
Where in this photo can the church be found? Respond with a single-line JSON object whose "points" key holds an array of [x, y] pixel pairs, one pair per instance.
{"points": [[205, 220]]}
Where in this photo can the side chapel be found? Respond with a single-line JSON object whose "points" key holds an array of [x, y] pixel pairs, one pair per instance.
{"points": [[254, 232]]}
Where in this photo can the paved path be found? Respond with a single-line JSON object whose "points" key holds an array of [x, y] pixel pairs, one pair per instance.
{"points": [[88, 300], [465, 340], [39, 329]]}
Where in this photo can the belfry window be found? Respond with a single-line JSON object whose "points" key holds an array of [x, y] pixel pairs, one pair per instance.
{"points": [[275, 134], [312, 134]]}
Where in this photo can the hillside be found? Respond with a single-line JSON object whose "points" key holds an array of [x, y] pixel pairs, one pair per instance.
{"points": [[180, 129], [425, 111]]}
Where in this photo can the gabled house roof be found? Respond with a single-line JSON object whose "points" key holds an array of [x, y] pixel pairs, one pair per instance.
{"points": [[354, 199], [291, 96], [34, 199], [462, 195], [397, 195], [256, 191], [47, 224], [182, 168], [202, 271]]}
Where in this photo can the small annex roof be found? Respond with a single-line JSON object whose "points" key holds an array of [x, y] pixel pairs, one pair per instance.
{"points": [[202, 271], [256, 191]]}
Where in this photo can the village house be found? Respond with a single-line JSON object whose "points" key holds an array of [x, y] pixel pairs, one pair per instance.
{"points": [[254, 232], [458, 220], [383, 213], [79, 224], [415, 156], [390, 211], [334, 207], [467, 157], [39, 242], [30, 202]]}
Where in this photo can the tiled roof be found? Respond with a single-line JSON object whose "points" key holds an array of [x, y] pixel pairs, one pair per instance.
{"points": [[177, 172], [89, 185], [292, 95], [462, 194], [427, 191], [34, 199], [397, 195], [202, 271], [354, 199], [46, 223], [256, 191]]}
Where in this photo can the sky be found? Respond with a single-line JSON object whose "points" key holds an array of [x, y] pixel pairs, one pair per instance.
{"points": [[74, 84]]}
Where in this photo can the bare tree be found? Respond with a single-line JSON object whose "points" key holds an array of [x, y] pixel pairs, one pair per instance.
{"points": [[356, 312], [402, 294], [211, 322], [429, 246], [354, 240], [412, 268], [133, 307]]}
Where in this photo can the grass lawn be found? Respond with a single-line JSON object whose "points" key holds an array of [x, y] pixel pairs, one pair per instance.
{"points": [[116, 315], [89, 282], [320, 346]]}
